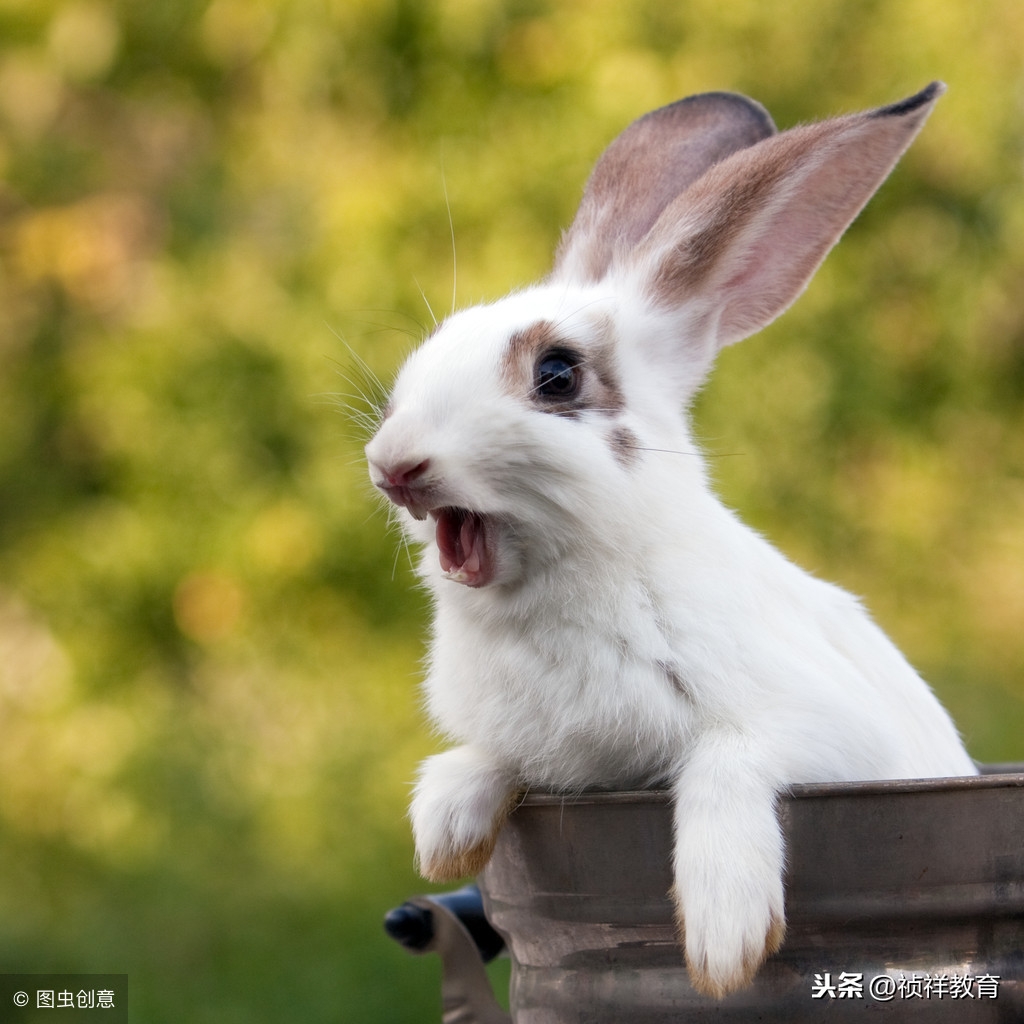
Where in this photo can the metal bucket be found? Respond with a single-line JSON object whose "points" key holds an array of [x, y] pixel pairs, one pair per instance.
{"points": [[904, 901]]}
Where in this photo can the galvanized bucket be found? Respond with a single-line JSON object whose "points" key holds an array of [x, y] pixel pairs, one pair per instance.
{"points": [[904, 901]]}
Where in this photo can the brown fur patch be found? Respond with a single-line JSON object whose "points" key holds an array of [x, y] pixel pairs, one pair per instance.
{"points": [[776, 936], [462, 865], [523, 348], [625, 446], [608, 396]]}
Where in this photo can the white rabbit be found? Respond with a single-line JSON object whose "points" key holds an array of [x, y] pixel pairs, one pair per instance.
{"points": [[601, 620]]}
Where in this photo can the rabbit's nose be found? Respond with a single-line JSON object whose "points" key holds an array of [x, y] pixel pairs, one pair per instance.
{"points": [[403, 474], [400, 483]]}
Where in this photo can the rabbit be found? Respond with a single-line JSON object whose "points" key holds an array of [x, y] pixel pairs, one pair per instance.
{"points": [[600, 619]]}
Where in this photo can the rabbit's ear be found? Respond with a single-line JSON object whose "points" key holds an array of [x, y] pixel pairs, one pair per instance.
{"points": [[645, 168], [743, 241]]}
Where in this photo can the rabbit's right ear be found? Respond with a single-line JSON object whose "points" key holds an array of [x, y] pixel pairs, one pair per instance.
{"points": [[741, 243], [701, 208], [645, 168]]}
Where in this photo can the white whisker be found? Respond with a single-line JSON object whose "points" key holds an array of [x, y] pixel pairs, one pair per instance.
{"points": [[451, 229], [426, 302]]}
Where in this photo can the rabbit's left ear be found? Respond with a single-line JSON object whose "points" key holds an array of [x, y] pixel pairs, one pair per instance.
{"points": [[739, 245], [645, 168]]}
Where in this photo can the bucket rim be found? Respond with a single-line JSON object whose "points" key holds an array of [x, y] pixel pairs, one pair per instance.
{"points": [[1001, 776]]}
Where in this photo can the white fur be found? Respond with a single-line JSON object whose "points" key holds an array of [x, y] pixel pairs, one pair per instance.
{"points": [[636, 632]]}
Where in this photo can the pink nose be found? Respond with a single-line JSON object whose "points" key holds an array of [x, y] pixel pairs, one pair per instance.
{"points": [[400, 485], [404, 474]]}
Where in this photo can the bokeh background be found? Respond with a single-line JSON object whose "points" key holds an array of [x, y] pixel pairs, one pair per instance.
{"points": [[219, 220]]}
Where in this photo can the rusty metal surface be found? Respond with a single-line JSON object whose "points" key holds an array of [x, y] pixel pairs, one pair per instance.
{"points": [[908, 879]]}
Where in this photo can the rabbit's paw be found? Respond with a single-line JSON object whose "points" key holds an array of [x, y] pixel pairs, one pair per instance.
{"points": [[728, 865], [728, 934], [460, 803]]}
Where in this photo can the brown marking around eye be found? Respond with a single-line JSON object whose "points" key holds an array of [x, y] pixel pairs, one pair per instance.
{"points": [[524, 346], [608, 397], [600, 389]]}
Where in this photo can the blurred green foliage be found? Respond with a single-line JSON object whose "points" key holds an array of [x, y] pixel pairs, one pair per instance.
{"points": [[210, 212]]}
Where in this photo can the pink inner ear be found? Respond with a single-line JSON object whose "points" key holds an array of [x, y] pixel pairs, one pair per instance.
{"points": [[772, 274], [746, 238]]}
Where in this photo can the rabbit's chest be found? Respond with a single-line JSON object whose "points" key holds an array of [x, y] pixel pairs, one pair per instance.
{"points": [[568, 707]]}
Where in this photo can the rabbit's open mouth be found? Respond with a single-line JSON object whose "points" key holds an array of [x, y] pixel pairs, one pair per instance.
{"points": [[464, 546]]}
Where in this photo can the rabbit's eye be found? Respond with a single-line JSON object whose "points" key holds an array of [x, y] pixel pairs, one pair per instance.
{"points": [[557, 375]]}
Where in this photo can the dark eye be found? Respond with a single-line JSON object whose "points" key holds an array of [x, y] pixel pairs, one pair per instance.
{"points": [[557, 375]]}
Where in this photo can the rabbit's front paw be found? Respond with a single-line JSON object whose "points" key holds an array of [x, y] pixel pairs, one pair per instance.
{"points": [[729, 866], [460, 803], [727, 930]]}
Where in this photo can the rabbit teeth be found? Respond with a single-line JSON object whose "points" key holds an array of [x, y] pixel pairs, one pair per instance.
{"points": [[463, 546]]}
